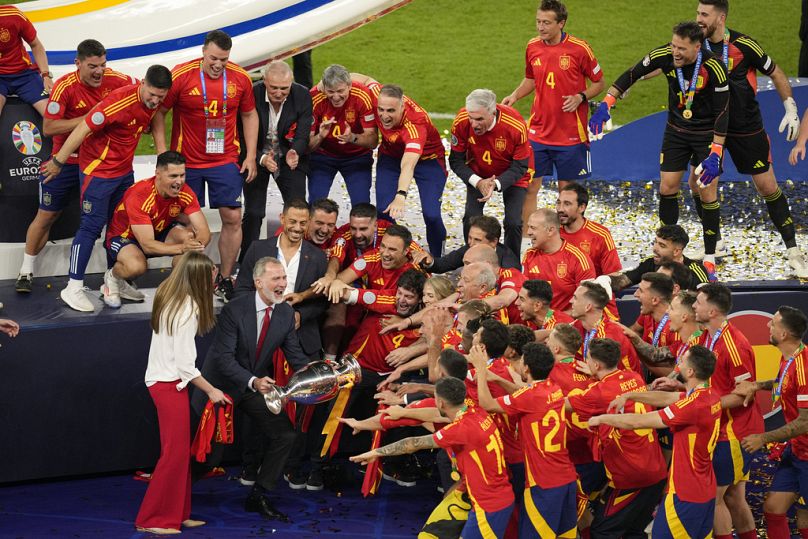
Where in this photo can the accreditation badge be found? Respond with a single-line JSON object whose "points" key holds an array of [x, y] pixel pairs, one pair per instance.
{"points": [[214, 135]]}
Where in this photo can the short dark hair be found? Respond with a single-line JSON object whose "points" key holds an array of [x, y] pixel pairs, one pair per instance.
{"points": [[538, 289], [412, 280], [679, 273], [159, 77], [719, 295], [364, 209], [605, 351], [689, 30], [539, 360], [325, 204], [568, 336], [451, 390], [687, 298], [170, 157], [596, 294], [90, 47], [400, 231], [392, 90], [794, 320], [519, 336], [581, 192], [454, 363], [720, 5], [674, 233], [218, 38], [296, 203], [489, 225], [702, 360], [494, 337], [555, 6], [661, 285]]}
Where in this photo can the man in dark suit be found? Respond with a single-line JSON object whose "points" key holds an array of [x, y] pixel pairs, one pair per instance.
{"points": [[240, 362], [284, 111], [304, 263]]}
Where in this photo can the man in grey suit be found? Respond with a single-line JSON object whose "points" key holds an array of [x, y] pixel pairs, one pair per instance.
{"points": [[304, 263], [241, 362]]}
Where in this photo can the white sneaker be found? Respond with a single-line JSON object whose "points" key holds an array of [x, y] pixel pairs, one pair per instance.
{"points": [[76, 298], [111, 290], [127, 291], [720, 251], [797, 262]]}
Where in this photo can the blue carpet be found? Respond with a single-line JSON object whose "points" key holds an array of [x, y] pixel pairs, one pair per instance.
{"points": [[106, 507]]}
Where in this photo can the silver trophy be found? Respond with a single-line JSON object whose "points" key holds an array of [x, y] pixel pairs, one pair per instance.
{"points": [[317, 382]]}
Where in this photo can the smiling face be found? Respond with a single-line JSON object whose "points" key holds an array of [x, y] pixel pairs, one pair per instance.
{"points": [[390, 111], [338, 94], [214, 60], [322, 226], [665, 251], [684, 50], [91, 70], [708, 18], [526, 305], [393, 252], [645, 297], [363, 230], [538, 231], [150, 96], [406, 301], [271, 285], [294, 222], [568, 209], [169, 180]]}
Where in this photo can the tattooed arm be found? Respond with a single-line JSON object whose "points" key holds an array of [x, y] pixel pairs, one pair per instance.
{"points": [[790, 430], [402, 447]]}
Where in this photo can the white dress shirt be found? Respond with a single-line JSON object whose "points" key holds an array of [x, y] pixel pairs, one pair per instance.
{"points": [[291, 267], [173, 357]]}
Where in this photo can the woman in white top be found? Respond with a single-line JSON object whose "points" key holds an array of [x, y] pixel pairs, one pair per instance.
{"points": [[183, 309]]}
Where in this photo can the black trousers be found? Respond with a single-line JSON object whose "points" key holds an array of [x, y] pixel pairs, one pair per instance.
{"points": [[514, 199], [277, 432], [292, 184]]}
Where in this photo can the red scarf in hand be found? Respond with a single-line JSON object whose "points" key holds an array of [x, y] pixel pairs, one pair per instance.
{"points": [[213, 421]]}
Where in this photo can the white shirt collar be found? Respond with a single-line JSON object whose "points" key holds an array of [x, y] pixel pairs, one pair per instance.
{"points": [[259, 303]]}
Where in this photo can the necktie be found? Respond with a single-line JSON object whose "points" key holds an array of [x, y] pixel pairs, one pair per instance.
{"points": [[263, 335]]}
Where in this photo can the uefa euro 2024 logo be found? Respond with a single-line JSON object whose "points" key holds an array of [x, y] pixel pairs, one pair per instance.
{"points": [[27, 138]]}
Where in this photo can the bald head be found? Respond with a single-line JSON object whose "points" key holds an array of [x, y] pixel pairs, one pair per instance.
{"points": [[481, 252]]}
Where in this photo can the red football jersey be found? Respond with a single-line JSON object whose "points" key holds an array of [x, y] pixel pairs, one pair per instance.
{"points": [[564, 270], [666, 337], [344, 249], [559, 70], [622, 451], [794, 396], [143, 205], [70, 98], [492, 153], [358, 112], [453, 339], [415, 133], [694, 421], [116, 122], [186, 98], [596, 241], [369, 348], [735, 361], [539, 409], [512, 279], [609, 329], [476, 444], [580, 439], [14, 28], [369, 269], [553, 318], [501, 314]]}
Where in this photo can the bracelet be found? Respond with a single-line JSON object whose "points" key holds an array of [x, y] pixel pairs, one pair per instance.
{"points": [[57, 162], [584, 99], [402, 193], [47, 74]]}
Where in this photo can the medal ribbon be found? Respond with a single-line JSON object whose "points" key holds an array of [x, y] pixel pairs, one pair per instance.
{"points": [[205, 91], [660, 328], [777, 390], [725, 57], [717, 336], [690, 91]]}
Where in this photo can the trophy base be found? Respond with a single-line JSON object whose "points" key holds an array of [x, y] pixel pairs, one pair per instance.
{"points": [[274, 401]]}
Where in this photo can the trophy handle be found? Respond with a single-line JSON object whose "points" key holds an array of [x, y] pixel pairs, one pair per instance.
{"points": [[274, 400], [349, 372]]}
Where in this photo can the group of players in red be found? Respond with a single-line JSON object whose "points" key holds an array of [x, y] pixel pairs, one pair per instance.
{"points": [[552, 417]]}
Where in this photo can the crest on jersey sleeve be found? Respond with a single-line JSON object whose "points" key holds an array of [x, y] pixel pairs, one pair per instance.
{"points": [[564, 62], [561, 270]]}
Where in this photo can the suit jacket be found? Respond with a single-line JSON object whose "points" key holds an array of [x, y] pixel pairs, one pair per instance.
{"points": [[312, 266], [231, 361], [294, 125], [452, 261]]}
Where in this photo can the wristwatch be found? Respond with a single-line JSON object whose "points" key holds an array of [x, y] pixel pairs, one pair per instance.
{"points": [[402, 193], [44, 74], [583, 97]]}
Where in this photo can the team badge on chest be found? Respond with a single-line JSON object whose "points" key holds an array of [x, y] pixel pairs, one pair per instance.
{"points": [[564, 62], [561, 270], [500, 144]]}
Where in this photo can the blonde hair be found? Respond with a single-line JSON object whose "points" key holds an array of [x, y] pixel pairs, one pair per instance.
{"points": [[192, 278], [442, 286]]}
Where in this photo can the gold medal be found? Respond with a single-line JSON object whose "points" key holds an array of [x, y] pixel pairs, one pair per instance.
{"points": [[687, 114], [455, 475]]}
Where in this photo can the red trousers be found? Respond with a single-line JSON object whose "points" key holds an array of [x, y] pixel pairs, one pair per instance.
{"points": [[168, 499]]}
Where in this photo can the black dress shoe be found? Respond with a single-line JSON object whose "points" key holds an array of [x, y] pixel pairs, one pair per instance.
{"points": [[259, 504]]}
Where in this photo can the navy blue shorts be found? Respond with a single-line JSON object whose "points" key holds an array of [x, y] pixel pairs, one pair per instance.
{"points": [[224, 185], [730, 463], [481, 524], [676, 518], [55, 195], [592, 477], [27, 85], [116, 243], [549, 512], [570, 162], [791, 475]]}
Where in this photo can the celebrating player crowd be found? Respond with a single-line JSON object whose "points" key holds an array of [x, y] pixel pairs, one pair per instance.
{"points": [[547, 415]]}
